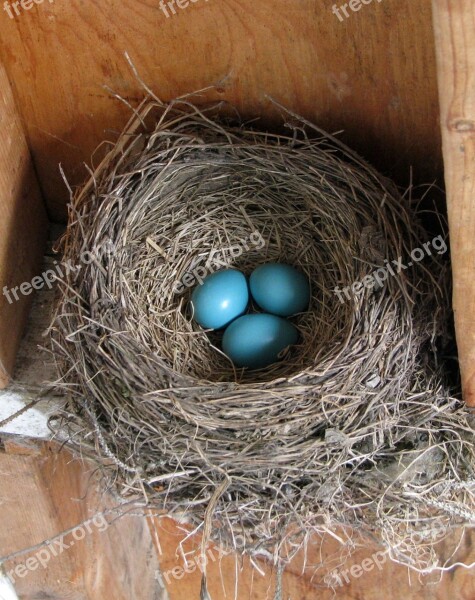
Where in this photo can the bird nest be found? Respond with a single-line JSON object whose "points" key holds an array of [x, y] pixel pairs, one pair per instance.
{"points": [[356, 427]]}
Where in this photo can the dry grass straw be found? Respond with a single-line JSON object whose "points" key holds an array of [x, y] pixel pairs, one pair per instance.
{"points": [[356, 428]]}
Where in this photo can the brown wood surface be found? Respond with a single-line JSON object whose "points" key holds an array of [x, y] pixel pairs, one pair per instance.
{"points": [[304, 578], [23, 226], [43, 493], [454, 23], [372, 75]]}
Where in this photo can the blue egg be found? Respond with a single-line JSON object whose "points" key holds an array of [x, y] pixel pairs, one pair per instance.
{"points": [[280, 289], [221, 298], [256, 340]]}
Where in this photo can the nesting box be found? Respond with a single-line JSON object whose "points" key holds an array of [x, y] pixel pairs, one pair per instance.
{"points": [[368, 69]]}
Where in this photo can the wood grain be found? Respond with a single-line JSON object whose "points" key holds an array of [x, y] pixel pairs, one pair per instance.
{"points": [[45, 492], [454, 24], [372, 75], [23, 226], [304, 578]]}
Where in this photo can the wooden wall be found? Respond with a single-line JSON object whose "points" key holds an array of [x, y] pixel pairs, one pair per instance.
{"points": [[454, 26], [371, 75], [44, 493], [23, 227]]}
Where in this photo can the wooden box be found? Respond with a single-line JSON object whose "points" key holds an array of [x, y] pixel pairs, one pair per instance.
{"points": [[396, 77]]}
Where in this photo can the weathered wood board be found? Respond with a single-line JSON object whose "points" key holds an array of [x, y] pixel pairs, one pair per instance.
{"points": [[368, 574], [371, 74], [45, 493], [454, 31], [23, 227]]}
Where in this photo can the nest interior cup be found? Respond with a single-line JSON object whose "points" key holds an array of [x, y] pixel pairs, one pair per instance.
{"points": [[314, 438]]}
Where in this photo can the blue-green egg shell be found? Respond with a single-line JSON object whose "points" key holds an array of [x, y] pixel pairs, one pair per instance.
{"points": [[255, 341], [280, 289], [222, 297]]}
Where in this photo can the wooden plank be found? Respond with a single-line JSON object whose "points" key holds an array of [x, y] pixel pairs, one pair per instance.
{"points": [[45, 493], [371, 74], [23, 226], [454, 24], [305, 576]]}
